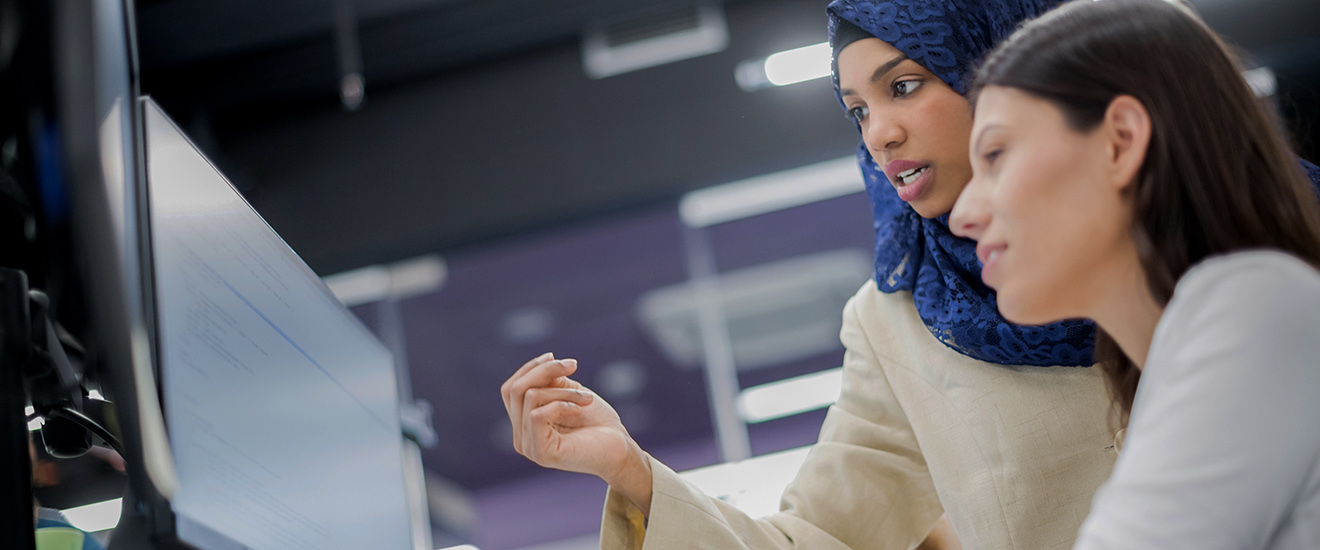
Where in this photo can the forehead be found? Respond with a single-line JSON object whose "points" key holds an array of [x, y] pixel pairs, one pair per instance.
{"points": [[1004, 106], [857, 60]]}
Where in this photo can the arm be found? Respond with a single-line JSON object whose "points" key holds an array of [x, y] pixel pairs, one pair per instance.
{"points": [[1223, 432]]}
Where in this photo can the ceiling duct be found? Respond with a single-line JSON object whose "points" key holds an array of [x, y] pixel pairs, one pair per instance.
{"points": [[777, 312], [675, 34]]}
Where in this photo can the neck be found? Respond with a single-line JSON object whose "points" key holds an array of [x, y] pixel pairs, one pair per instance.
{"points": [[1126, 310]]}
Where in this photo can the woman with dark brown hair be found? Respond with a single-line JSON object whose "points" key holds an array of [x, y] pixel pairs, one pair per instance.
{"points": [[1124, 172]]}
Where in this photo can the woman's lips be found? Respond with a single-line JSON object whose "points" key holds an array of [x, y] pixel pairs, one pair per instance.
{"points": [[909, 189], [897, 166], [909, 192], [989, 254]]}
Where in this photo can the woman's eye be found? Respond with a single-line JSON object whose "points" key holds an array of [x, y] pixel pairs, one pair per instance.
{"points": [[905, 87], [858, 114], [991, 155]]}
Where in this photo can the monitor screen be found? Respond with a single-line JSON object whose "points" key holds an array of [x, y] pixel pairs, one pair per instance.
{"points": [[281, 408]]}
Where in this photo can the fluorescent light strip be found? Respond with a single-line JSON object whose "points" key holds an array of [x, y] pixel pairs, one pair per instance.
{"points": [[399, 280], [771, 192], [461, 547], [360, 286], [791, 396], [798, 65], [96, 517]]}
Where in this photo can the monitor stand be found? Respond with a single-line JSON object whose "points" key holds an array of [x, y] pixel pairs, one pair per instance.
{"points": [[17, 513]]}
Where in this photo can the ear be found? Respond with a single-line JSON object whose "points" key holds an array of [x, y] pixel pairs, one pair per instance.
{"points": [[1127, 130]]}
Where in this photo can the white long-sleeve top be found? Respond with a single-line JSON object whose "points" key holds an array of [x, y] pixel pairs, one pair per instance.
{"points": [[1223, 447]]}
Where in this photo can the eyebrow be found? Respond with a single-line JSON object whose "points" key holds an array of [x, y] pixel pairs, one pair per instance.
{"points": [[880, 72]]}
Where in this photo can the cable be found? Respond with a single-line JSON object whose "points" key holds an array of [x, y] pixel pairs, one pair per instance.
{"points": [[88, 424]]}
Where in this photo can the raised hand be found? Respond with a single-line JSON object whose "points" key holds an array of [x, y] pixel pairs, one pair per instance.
{"points": [[559, 423]]}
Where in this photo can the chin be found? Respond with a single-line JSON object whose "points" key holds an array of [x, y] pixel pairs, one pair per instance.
{"points": [[930, 207], [1016, 309]]}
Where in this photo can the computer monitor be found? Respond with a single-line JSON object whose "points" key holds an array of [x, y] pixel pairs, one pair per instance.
{"points": [[281, 407], [254, 409]]}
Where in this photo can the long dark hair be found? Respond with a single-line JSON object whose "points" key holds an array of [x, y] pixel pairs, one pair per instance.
{"points": [[1218, 174]]}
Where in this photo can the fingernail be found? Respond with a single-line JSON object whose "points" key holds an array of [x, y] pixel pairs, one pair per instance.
{"points": [[570, 362]]}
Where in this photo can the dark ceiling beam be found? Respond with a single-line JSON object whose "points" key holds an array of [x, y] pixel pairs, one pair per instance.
{"points": [[188, 31]]}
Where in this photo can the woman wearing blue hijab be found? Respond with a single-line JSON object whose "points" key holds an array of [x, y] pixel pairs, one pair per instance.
{"points": [[946, 409]]}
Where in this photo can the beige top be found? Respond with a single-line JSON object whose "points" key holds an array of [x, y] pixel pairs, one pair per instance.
{"points": [[1012, 454]]}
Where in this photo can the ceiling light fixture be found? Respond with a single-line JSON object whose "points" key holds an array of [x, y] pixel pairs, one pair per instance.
{"points": [[655, 39], [1262, 81], [784, 68]]}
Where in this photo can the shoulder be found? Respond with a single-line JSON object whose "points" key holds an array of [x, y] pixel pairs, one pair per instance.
{"points": [[886, 327], [888, 320], [1251, 267], [869, 303], [1259, 303], [1247, 284]]}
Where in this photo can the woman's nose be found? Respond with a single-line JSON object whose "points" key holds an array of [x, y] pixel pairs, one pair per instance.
{"points": [[971, 214], [882, 134]]}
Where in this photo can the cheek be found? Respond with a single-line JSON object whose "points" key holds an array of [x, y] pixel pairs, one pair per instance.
{"points": [[1034, 269], [947, 119], [1042, 208], [950, 119]]}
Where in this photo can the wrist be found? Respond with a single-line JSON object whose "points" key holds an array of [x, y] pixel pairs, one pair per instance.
{"points": [[634, 479]]}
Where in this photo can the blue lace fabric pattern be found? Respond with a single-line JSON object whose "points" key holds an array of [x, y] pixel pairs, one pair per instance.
{"points": [[912, 253], [1313, 172]]}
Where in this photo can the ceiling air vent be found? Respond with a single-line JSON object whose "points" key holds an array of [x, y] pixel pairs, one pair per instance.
{"points": [[663, 37], [777, 312]]}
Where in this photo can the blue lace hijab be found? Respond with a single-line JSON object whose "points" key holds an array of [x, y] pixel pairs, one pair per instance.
{"points": [[912, 253], [921, 255]]}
